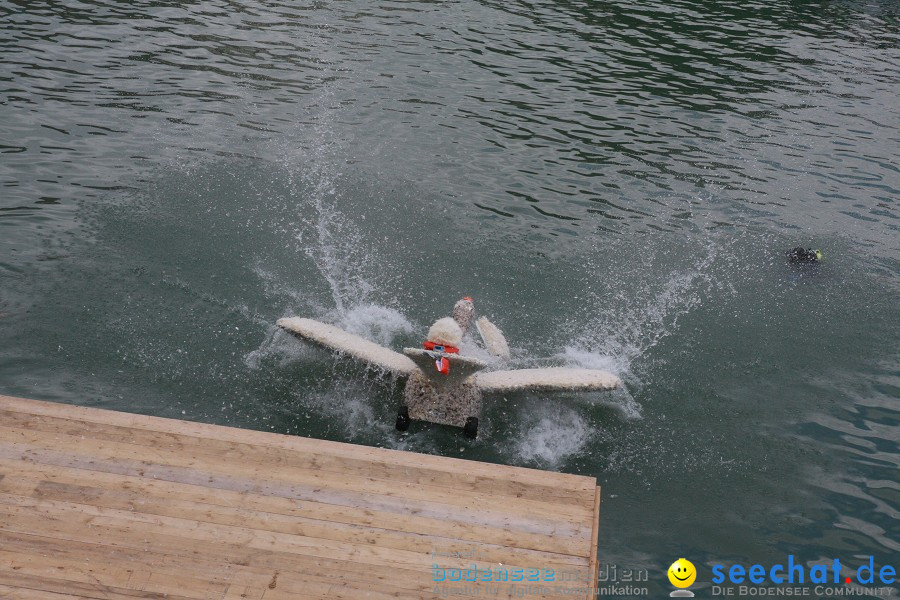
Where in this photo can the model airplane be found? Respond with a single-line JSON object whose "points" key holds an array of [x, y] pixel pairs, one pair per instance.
{"points": [[444, 386]]}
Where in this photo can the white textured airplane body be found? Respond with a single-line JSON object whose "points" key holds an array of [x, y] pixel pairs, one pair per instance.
{"points": [[442, 385]]}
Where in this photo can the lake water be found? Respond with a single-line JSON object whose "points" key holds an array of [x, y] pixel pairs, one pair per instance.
{"points": [[614, 183]]}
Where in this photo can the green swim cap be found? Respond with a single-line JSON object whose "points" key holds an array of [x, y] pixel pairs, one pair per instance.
{"points": [[818, 254]]}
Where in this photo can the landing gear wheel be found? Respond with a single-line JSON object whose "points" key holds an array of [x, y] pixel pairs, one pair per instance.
{"points": [[471, 428], [403, 418]]}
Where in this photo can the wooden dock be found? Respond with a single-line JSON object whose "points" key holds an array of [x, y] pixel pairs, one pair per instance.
{"points": [[101, 504]]}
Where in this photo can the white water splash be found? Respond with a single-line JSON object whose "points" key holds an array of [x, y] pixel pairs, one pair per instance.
{"points": [[627, 325], [347, 407], [348, 261], [279, 345], [276, 286], [377, 323], [548, 435], [622, 329], [576, 357]]}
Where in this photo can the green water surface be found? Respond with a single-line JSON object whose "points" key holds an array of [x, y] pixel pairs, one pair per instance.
{"points": [[614, 183]]}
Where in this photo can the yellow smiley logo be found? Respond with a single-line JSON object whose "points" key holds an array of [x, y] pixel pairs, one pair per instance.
{"points": [[682, 573]]}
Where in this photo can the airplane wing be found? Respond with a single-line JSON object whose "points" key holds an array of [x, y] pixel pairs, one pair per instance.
{"points": [[338, 340], [546, 380], [492, 337]]}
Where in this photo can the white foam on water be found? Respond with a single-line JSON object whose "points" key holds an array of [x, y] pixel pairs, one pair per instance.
{"points": [[346, 406], [548, 434], [352, 411]]}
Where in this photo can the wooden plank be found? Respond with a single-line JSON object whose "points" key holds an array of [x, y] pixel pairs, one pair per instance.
{"points": [[161, 449], [349, 490], [25, 478], [106, 571], [301, 461], [230, 566], [144, 542], [149, 570], [23, 593], [351, 502], [593, 565], [137, 503], [314, 446], [54, 518], [97, 504]]}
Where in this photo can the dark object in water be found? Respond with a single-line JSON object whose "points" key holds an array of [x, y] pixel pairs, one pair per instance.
{"points": [[801, 256]]}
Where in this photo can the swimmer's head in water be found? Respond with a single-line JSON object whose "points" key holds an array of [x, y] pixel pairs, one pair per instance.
{"points": [[800, 255]]}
